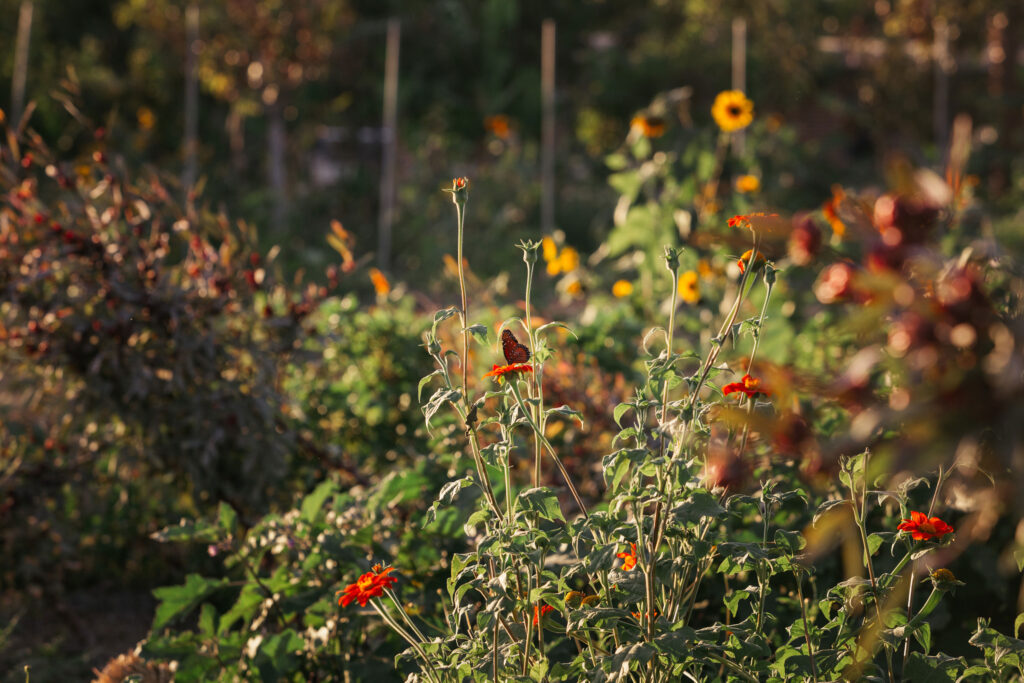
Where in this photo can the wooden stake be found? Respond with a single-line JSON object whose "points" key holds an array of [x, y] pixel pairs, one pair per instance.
{"points": [[21, 62], [547, 158], [188, 176], [389, 140], [739, 72]]}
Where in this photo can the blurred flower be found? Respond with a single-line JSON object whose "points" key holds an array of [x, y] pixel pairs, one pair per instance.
{"points": [[622, 288], [370, 585], [732, 110], [568, 260], [742, 261], [499, 125], [380, 282], [751, 386], [146, 118], [574, 598], [130, 666], [499, 371], [704, 269], [923, 528], [628, 559], [549, 249], [539, 612], [834, 283], [648, 126], [748, 183], [804, 241], [575, 288], [831, 208], [689, 289]]}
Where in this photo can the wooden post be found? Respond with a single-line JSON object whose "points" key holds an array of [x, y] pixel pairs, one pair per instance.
{"points": [[739, 71], [389, 140], [20, 75], [547, 153], [940, 97], [188, 176]]}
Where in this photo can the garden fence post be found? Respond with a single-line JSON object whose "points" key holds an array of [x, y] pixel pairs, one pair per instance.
{"points": [[189, 174], [389, 143], [20, 75], [547, 88], [739, 71]]}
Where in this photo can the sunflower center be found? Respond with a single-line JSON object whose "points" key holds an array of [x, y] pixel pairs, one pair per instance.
{"points": [[734, 110]]}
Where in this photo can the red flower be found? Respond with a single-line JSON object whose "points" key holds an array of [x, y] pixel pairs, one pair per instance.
{"points": [[747, 385], [370, 585], [628, 559], [923, 528], [539, 612], [500, 371]]}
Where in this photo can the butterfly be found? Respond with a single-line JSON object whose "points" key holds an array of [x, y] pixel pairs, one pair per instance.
{"points": [[513, 350]]}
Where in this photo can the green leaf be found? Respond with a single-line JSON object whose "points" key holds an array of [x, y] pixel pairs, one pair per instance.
{"points": [[541, 501], [923, 635], [313, 503], [177, 601], [441, 316], [791, 542], [1016, 625], [556, 323], [424, 381], [479, 332], [185, 531], [696, 507], [440, 397], [621, 410], [565, 411], [935, 669]]}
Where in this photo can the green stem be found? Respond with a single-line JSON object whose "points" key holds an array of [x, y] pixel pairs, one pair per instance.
{"points": [[807, 633], [550, 448], [535, 381]]}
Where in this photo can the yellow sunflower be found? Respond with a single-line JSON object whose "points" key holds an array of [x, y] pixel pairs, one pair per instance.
{"points": [[732, 110], [689, 288]]}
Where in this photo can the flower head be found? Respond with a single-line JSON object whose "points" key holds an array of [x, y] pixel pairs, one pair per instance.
{"points": [[924, 528], [539, 611], [944, 580], [689, 288], [648, 126], [751, 386], [732, 110], [628, 559], [459, 190], [369, 585], [380, 282], [745, 258], [499, 125], [622, 288], [747, 183], [499, 371]]}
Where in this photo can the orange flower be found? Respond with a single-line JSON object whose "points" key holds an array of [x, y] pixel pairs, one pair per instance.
{"points": [[499, 371], [742, 262], [622, 288], [370, 585], [499, 125], [923, 528], [830, 209], [732, 110], [638, 615], [748, 385], [648, 126], [748, 183], [539, 612], [380, 282], [628, 559]]}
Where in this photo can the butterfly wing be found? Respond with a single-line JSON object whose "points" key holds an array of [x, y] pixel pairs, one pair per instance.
{"points": [[513, 350]]}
